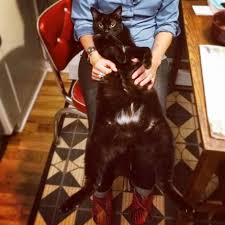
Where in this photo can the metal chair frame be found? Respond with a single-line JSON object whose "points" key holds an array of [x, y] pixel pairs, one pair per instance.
{"points": [[68, 99]]}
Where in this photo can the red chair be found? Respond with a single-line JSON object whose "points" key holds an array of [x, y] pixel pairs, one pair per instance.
{"points": [[55, 30]]}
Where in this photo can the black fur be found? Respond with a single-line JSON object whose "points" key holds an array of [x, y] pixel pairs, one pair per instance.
{"points": [[118, 98]]}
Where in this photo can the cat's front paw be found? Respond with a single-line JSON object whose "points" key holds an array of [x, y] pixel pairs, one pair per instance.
{"points": [[147, 59]]}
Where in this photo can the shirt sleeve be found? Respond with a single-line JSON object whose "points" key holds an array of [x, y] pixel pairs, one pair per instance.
{"points": [[167, 17], [82, 17]]}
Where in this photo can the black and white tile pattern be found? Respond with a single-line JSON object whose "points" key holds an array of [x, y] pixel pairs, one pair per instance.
{"points": [[66, 174]]}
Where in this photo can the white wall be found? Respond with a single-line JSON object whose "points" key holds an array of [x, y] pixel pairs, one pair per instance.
{"points": [[10, 17]]}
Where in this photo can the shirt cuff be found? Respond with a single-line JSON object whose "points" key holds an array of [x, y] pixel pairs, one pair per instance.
{"points": [[81, 31], [174, 30]]}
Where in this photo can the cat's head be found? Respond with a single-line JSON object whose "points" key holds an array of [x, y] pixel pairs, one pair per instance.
{"points": [[107, 24]]}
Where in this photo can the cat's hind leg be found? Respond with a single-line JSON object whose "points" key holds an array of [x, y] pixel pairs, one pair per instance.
{"points": [[142, 169]]}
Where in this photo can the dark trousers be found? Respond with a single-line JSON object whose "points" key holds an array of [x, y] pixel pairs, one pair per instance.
{"points": [[142, 175]]}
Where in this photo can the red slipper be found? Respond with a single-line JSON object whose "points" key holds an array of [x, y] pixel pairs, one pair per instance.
{"points": [[141, 208], [102, 209]]}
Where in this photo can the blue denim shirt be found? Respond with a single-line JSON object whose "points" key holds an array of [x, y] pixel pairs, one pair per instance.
{"points": [[144, 18]]}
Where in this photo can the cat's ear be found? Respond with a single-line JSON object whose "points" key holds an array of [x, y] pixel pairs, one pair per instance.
{"points": [[117, 13], [95, 13]]}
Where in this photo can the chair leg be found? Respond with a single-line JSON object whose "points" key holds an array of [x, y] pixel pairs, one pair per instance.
{"points": [[176, 62], [58, 117]]}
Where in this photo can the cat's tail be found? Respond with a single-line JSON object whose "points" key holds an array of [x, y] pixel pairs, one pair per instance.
{"points": [[77, 198]]}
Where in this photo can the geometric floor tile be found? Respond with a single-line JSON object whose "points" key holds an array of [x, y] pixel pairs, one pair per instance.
{"points": [[181, 174], [65, 174], [47, 213], [78, 138], [67, 138], [178, 114], [69, 125]]}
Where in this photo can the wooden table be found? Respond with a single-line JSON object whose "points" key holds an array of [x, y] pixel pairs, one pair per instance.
{"points": [[197, 31]]}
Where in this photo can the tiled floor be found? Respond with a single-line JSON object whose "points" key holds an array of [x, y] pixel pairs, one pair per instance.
{"points": [[65, 175]]}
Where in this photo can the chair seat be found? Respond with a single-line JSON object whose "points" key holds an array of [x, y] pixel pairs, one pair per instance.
{"points": [[77, 97]]}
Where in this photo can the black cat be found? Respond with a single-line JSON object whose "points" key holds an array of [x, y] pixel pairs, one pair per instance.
{"points": [[128, 116]]}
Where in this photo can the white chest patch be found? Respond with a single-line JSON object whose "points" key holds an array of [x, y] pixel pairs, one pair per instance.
{"points": [[129, 115]]}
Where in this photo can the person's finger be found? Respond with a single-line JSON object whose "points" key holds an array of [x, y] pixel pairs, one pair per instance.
{"points": [[96, 71], [140, 78], [146, 80], [110, 65], [138, 72], [99, 66], [150, 85], [94, 77], [103, 69], [95, 74]]}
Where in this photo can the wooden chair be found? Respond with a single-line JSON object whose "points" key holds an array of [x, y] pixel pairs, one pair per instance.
{"points": [[55, 30]]}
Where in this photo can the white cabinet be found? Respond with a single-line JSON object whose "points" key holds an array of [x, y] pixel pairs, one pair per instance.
{"points": [[21, 63]]}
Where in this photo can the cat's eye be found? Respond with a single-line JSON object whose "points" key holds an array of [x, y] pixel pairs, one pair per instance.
{"points": [[100, 25], [113, 24]]}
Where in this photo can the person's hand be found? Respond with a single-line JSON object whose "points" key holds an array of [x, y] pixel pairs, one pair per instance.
{"points": [[143, 76], [101, 66]]}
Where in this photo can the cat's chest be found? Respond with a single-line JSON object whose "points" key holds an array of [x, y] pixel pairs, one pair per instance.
{"points": [[129, 114]]}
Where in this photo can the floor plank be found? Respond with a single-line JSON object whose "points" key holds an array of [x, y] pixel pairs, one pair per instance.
{"points": [[24, 160]]}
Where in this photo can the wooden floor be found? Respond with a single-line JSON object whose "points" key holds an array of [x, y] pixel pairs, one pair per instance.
{"points": [[24, 160]]}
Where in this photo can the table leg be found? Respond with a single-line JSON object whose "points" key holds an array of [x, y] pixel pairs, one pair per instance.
{"points": [[207, 165], [176, 61], [221, 173]]}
